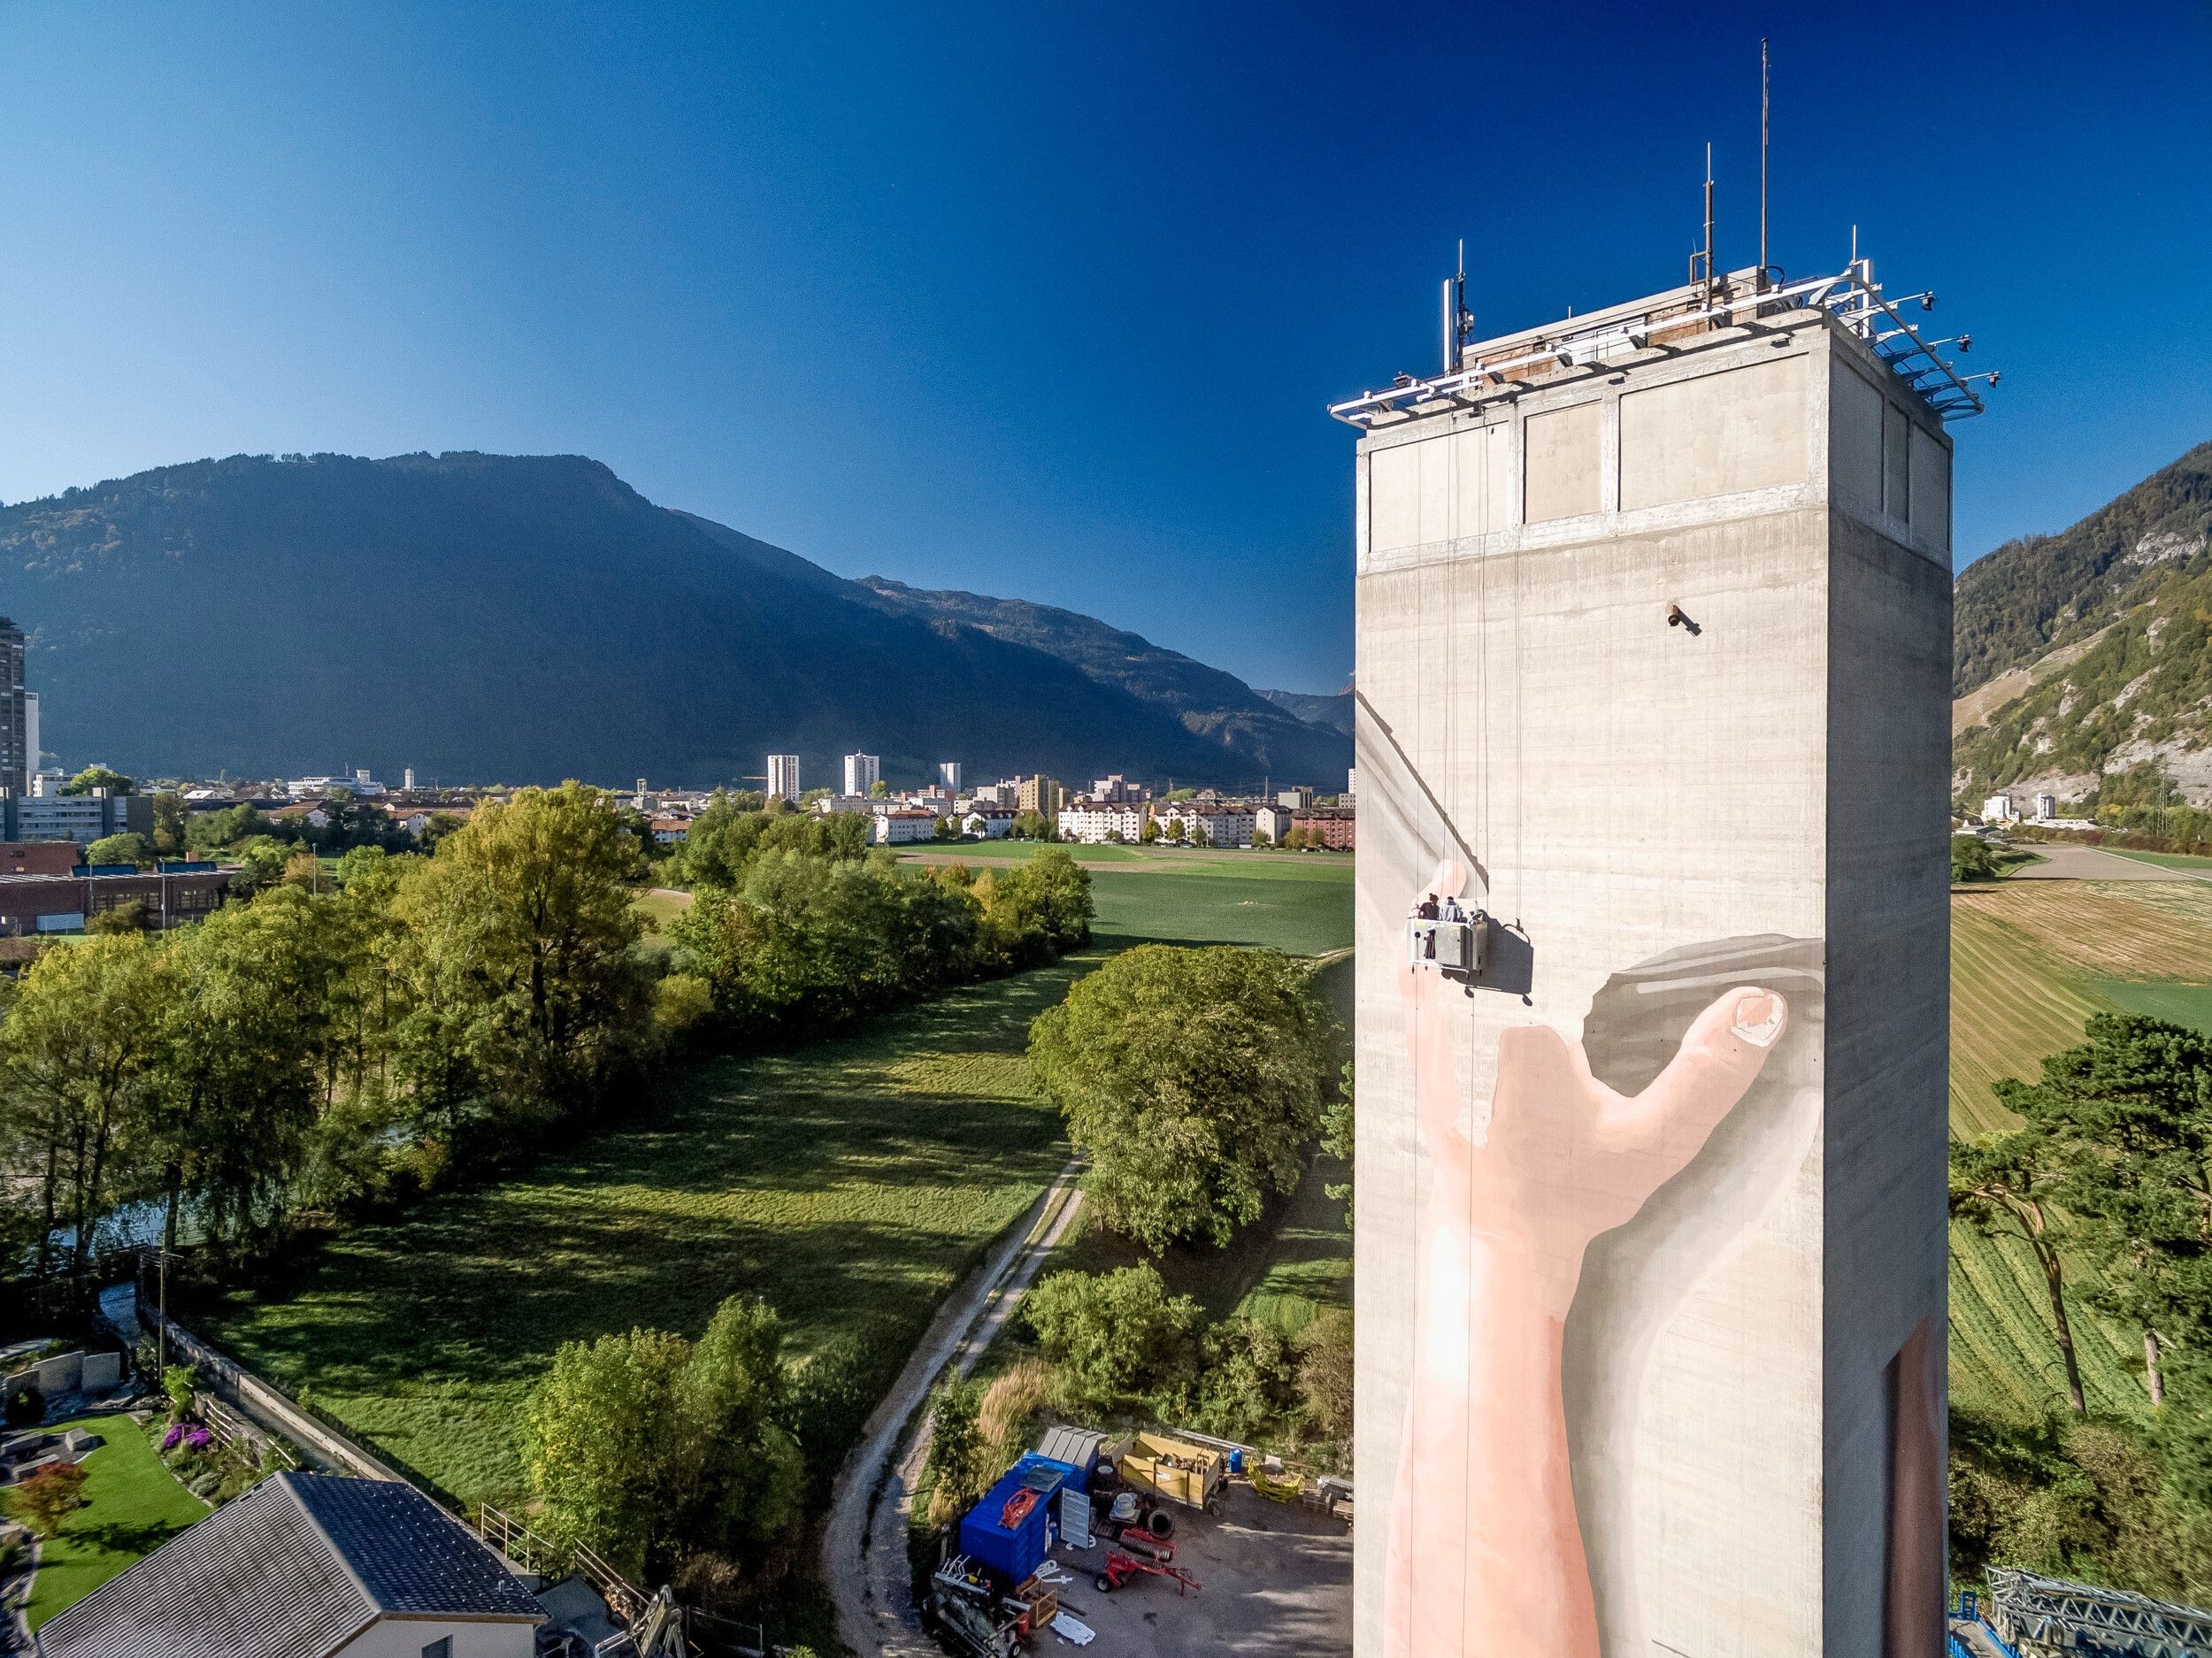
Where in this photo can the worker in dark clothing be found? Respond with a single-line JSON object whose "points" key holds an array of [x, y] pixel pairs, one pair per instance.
{"points": [[1426, 910]]}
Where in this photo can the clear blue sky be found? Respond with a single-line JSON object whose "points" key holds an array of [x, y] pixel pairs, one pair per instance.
{"points": [[1046, 300]]}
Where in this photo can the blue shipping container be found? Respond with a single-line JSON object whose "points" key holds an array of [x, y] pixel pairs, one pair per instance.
{"points": [[1015, 1551]]}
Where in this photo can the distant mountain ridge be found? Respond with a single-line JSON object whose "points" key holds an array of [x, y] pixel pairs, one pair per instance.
{"points": [[2083, 662], [1333, 710], [523, 619]]}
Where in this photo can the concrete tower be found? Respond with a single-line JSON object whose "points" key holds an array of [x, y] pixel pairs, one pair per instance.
{"points": [[783, 777], [1653, 670]]}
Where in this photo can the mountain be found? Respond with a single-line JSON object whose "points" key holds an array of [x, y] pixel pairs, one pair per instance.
{"points": [[2083, 662], [1209, 704], [525, 618], [1333, 711]]}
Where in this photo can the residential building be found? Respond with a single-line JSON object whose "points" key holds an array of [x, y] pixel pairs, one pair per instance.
{"points": [[863, 773], [1297, 799], [830, 803], [902, 825], [783, 777], [308, 1566], [1118, 789], [987, 823], [1041, 794], [2045, 808], [1003, 794], [948, 775], [1210, 822], [32, 736], [1273, 822], [407, 779], [16, 762], [1331, 826], [1095, 821], [1999, 809], [668, 831], [83, 818], [1351, 785]]}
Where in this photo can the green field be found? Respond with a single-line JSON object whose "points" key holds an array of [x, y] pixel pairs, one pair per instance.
{"points": [[851, 1183], [131, 1507], [2168, 860]]}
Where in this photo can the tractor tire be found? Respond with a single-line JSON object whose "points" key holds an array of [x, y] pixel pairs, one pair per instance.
{"points": [[1160, 1522], [1102, 1584]]}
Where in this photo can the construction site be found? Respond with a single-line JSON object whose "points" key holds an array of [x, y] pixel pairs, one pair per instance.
{"points": [[1149, 1544]]}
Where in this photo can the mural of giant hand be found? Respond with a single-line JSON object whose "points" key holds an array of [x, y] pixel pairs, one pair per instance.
{"points": [[1485, 1557]]}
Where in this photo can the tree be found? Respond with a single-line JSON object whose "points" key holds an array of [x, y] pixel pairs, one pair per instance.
{"points": [[602, 1445], [745, 1475], [1191, 1079], [45, 1499], [129, 847], [879, 790], [169, 824], [2007, 1184], [1972, 860], [1249, 1378], [1117, 1335], [958, 1460], [2131, 1108], [79, 1058], [516, 940], [133, 915], [1325, 1374], [98, 777], [1339, 1124]]}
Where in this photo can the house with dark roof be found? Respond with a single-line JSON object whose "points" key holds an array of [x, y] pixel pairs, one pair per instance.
{"points": [[308, 1566]]}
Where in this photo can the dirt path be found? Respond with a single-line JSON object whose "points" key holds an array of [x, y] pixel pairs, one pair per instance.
{"points": [[863, 1546]]}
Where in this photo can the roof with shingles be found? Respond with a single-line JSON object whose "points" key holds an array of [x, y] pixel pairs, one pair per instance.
{"points": [[295, 1569]]}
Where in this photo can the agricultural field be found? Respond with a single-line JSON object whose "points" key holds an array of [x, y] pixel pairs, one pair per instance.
{"points": [[2030, 963]]}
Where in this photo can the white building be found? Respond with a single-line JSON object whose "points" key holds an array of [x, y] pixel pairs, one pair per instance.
{"points": [[1210, 824], [948, 775], [1351, 785], [1096, 821], [1273, 822], [1998, 809], [360, 785], [1297, 799], [783, 777], [902, 825], [830, 804], [2045, 808], [987, 823], [863, 773], [407, 779]]}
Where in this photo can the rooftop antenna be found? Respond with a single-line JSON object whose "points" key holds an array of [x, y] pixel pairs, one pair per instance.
{"points": [[1701, 264], [1458, 320], [1762, 163]]}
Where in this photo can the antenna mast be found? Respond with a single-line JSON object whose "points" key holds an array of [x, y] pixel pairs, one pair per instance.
{"points": [[1701, 264], [1457, 320], [1762, 163]]}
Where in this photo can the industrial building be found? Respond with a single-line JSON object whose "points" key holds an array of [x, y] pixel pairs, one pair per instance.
{"points": [[82, 818], [1651, 1231]]}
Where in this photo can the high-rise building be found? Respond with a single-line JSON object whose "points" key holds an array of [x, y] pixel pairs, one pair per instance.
{"points": [[863, 771], [1651, 1233], [32, 756], [949, 775], [16, 763], [1040, 794], [783, 777], [407, 779]]}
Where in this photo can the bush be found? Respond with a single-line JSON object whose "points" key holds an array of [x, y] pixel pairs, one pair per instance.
{"points": [[26, 1406], [181, 1383], [958, 1463], [43, 1499], [1972, 860], [1116, 1335], [1325, 1374], [1247, 1380]]}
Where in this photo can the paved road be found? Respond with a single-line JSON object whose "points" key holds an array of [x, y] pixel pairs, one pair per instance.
{"points": [[2064, 863], [863, 1546]]}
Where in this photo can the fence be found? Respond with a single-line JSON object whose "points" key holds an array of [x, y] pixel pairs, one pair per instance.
{"points": [[231, 1383], [231, 1428], [625, 1602]]}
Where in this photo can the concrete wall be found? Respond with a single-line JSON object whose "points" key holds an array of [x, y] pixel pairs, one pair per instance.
{"points": [[1657, 817]]}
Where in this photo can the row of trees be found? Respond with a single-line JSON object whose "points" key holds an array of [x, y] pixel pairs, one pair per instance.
{"points": [[315, 1047]]}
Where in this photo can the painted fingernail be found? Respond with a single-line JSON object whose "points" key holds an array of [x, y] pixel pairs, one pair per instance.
{"points": [[1759, 1019]]}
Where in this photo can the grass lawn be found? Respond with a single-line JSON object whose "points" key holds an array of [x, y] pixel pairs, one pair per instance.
{"points": [[1304, 909], [2170, 860], [852, 1183], [132, 1508], [2174, 1001], [659, 908]]}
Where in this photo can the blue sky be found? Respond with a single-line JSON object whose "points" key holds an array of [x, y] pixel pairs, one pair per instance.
{"points": [[1047, 301]]}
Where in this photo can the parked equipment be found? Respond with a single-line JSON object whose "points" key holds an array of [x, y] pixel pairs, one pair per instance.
{"points": [[1121, 1567], [1192, 1475], [963, 1606]]}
